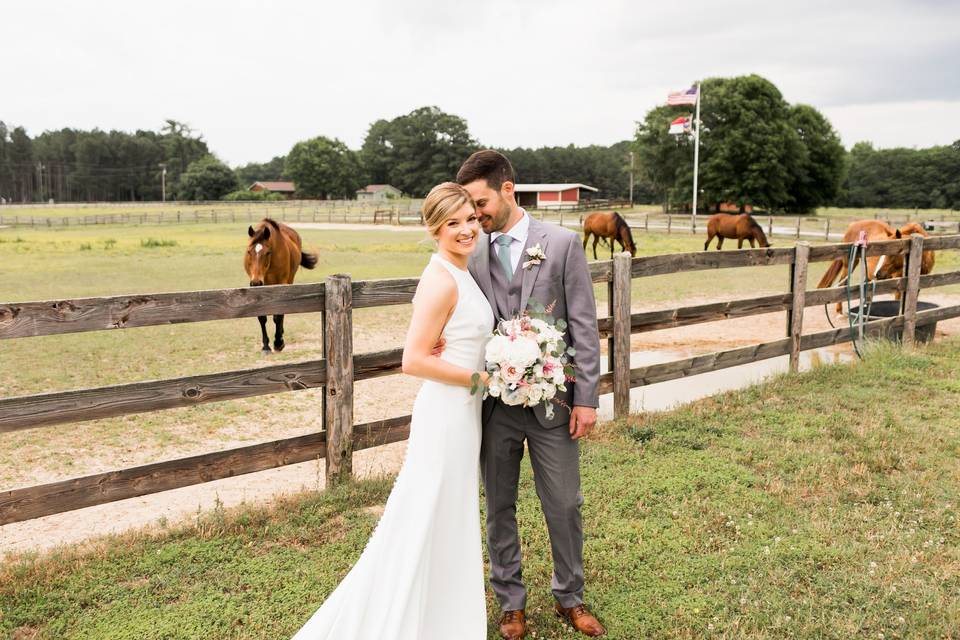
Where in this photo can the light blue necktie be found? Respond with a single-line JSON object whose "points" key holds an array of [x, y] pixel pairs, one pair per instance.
{"points": [[504, 255]]}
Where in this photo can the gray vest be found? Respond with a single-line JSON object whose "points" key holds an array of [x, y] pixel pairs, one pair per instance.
{"points": [[507, 294]]}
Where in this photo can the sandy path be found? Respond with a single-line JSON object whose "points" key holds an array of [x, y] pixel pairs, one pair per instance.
{"points": [[375, 399]]}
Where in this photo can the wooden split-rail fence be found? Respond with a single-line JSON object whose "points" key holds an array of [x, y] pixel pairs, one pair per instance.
{"points": [[339, 368]]}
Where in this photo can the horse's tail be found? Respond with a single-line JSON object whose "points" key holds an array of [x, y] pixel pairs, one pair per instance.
{"points": [[308, 260], [832, 272]]}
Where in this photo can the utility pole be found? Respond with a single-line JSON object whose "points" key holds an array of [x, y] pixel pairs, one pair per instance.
{"points": [[163, 181], [631, 178]]}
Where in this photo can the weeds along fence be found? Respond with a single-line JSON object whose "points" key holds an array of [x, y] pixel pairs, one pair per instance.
{"points": [[339, 368]]}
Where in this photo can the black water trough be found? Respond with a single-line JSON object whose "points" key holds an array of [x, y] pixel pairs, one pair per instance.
{"points": [[881, 309]]}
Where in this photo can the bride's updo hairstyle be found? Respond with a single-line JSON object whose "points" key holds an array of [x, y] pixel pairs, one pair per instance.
{"points": [[444, 200]]}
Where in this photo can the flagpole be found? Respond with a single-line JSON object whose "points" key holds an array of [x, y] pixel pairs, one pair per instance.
{"points": [[696, 151]]}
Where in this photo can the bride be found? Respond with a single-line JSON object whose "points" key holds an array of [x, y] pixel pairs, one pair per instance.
{"points": [[421, 574]]}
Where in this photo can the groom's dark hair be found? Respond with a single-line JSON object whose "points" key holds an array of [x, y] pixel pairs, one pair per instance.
{"points": [[488, 165]]}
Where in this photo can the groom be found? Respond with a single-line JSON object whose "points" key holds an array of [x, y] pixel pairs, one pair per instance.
{"points": [[563, 280]]}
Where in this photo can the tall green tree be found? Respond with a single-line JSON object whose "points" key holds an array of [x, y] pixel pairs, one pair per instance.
{"points": [[181, 147], [749, 150], [416, 151], [820, 169], [324, 168], [377, 153], [22, 160], [664, 161], [206, 179]]}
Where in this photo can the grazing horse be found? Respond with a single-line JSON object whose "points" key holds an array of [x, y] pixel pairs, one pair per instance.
{"points": [[608, 225], [273, 255], [740, 226], [878, 267]]}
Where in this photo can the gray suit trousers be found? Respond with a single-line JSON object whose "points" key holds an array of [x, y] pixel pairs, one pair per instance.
{"points": [[555, 459]]}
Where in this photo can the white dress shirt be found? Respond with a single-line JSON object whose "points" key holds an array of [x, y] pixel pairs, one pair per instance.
{"points": [[519, 234]]}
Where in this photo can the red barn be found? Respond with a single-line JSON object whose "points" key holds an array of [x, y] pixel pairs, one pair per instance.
{"points": [[546, 196]]}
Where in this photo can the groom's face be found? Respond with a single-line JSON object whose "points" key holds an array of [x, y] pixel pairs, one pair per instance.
{"points": [[493, 210]]}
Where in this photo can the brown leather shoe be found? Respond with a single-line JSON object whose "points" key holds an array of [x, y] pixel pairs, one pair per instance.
{"points": [[513, 625], [581, 619]]}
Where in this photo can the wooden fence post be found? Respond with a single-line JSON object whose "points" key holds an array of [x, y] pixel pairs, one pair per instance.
{"points": [[621, 335], [826, 235], [798, 287], [669, 221], [693, 222], [646, 223], [914, 261], [798, 227], [338, 393], [770, 226]]}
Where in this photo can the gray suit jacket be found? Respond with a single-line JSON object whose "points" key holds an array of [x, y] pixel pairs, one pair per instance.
{"points": [[562, 278]]}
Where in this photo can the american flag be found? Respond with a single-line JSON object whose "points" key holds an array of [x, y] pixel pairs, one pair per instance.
{"points": [[688, 96]]}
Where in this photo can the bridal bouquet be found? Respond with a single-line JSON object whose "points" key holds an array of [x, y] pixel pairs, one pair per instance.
{"points": [[527, 360]]}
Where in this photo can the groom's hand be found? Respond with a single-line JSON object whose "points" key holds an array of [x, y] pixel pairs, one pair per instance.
{"points": [[582, 420], [438, 348]]}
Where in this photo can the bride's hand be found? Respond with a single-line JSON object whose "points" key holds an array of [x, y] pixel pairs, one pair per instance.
{"points": [[438, 348]]}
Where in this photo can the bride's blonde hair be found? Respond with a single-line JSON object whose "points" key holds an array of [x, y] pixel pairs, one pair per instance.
{"points": [[444, 200]]}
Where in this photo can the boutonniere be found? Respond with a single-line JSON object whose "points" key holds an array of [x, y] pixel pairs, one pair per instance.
{"points": [[536, 255]]}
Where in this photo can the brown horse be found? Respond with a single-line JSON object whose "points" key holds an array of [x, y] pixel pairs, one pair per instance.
{"points": [[273, 255], [740, 226], [610, 226], [878, 267]]}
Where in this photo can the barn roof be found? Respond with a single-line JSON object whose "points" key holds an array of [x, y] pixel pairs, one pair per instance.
{"points": [[527, 188], [275, 186]]}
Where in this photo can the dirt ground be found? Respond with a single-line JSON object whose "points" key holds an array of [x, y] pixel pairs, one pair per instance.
{"points": [[375, 399]]}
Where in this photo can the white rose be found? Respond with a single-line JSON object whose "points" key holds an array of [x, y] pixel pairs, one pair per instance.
{"points": [[523, 353], [497, 349]]}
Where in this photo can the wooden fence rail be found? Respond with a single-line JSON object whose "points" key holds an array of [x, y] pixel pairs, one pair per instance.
{"points": [[336, 372]]}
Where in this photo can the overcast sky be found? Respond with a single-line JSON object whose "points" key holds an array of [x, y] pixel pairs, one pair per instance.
{"points": [[255, 77]]}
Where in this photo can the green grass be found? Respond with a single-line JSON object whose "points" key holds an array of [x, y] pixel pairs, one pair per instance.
{"points": [[820, 505]]}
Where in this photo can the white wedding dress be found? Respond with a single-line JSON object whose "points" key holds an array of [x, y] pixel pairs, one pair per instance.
{"points": [[421, 574]]}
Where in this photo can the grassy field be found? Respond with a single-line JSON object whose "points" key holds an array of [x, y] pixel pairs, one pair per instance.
{"points": [[820, 505]]}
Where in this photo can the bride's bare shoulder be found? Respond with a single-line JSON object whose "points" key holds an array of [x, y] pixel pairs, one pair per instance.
{"points": [[436, 288]]}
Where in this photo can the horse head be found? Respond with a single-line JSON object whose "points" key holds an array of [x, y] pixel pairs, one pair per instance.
{"points": [[624, 234], [256, 261]]}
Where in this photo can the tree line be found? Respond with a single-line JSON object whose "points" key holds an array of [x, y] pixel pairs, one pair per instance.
{"points": [[755, 149], [71, 165]]}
